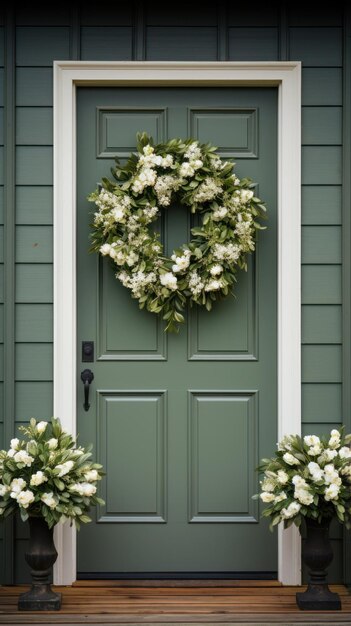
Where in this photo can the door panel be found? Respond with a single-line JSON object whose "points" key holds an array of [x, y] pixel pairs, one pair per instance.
{"points": [[179, 421]]}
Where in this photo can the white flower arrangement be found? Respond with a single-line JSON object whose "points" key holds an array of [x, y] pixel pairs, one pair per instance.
{"points": [[201, 271], [48, 475], [308, 477]]}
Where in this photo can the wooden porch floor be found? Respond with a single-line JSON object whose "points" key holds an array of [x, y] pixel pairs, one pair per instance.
{"points": [[131, 603]]}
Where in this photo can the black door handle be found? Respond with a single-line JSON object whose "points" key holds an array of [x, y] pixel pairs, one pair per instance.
{"points": [[87, 377]]}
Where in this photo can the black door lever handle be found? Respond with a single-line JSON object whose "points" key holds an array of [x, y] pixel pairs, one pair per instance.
{"points": [[87, 377]]}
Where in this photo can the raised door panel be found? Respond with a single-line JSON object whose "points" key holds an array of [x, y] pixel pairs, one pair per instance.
{"points": [[233, 131], [222, 456], [117, 127], [132, 448], [124, 332]]}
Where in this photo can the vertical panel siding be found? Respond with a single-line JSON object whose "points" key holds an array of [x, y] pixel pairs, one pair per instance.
{"points": [[41, 38], [181, 32], [318, 44]]}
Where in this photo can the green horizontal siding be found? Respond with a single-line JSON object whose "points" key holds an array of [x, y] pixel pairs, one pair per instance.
{"points": [[253, 44], [321, 284], [317, 47], [321, 204], [179, 32], [1, 126], [40, 46], [106, 43], [322, 403], [1, 205], [34, 244], [322, 86], [1, 83], [321, 430], [34, 126], [34, 205], [1, 324], [1, 165], [34, 86], [33, 361], [1, 282], [34, 322], [1, 362], [198, 43], [322, 126], [33, 399], [321, 324], [34, 165], [321, 244], [321, 165], [34, 283], [321, 364]]}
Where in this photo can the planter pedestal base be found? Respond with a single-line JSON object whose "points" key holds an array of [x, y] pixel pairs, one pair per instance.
{"points": [[40, 556], [317, 554], [318, 598], [39, 598]]}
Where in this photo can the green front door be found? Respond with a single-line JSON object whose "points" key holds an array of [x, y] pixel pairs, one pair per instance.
{"points": [[180, 421]]}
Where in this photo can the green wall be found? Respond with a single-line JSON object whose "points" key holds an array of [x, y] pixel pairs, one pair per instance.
{"points": [[30, 39]]}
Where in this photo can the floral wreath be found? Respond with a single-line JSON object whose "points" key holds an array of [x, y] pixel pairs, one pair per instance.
{"points": [[201, 271]]}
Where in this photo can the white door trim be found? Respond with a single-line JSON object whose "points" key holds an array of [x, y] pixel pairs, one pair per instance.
{"points": [[287, 77]]}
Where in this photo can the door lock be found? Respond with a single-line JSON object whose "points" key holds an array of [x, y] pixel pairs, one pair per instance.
{"points": [[87, 351]]}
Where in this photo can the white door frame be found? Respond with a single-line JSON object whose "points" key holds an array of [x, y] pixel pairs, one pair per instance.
{"points": [[286, 76]]}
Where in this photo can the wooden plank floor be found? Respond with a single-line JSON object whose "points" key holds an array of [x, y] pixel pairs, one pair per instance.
{"points": [[127, 602]]}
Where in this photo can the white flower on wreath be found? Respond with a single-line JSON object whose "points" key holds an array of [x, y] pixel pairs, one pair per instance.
{"points": [[216, 270], [169, 280], [181, 262]]}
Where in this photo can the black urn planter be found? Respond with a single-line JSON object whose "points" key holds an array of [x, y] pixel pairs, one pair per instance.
{"points": [[41, 556], [317, 554]]}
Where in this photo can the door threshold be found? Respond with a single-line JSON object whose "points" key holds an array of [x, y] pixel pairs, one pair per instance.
{"points": [[177, 582]]}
